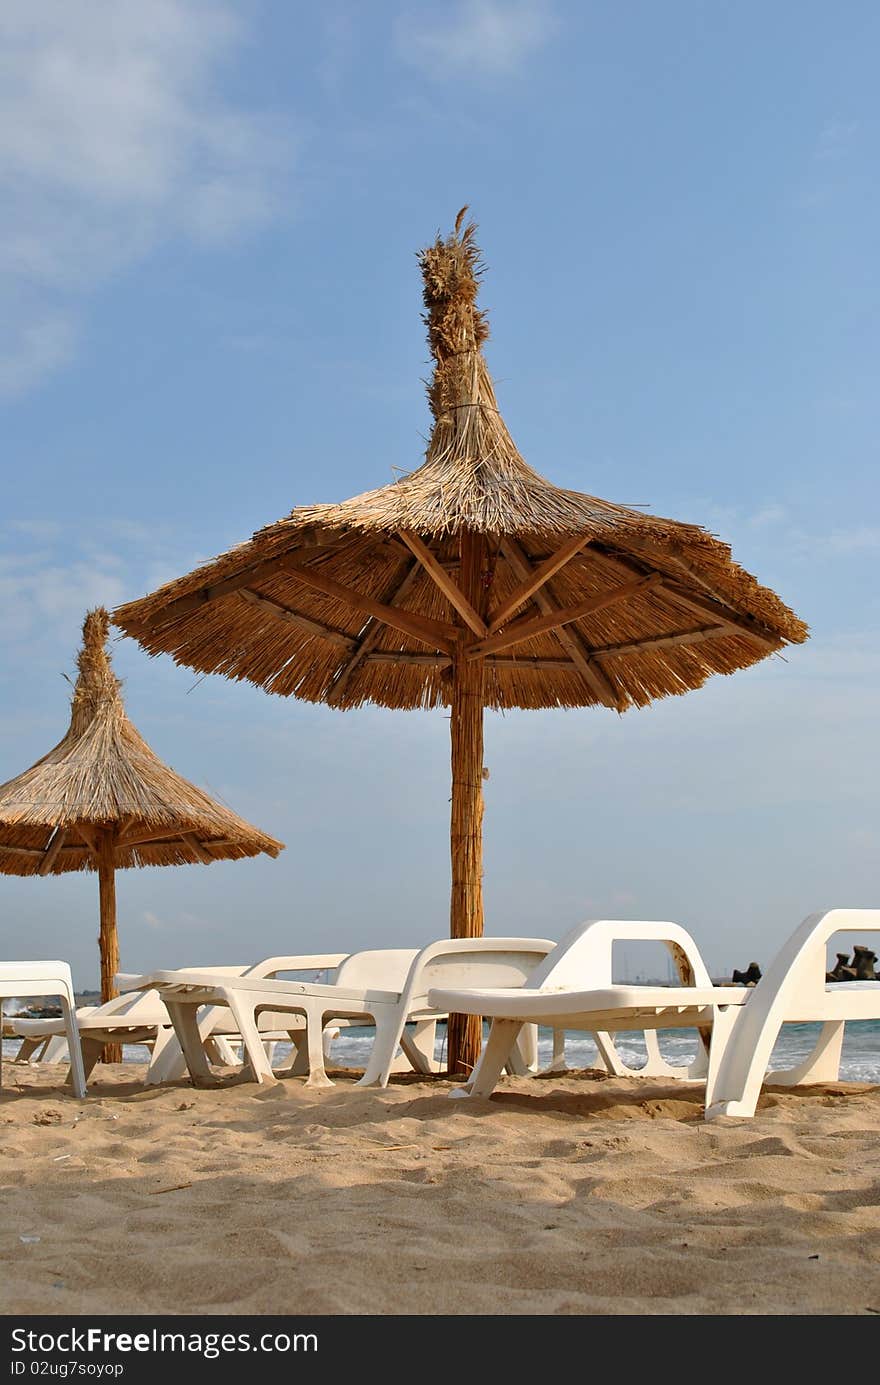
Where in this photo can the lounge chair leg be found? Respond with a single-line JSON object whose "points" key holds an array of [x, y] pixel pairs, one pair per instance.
{"points": [[523, 1058], [419, 1046], [389, 1030], [77, 1071], [254, 1050], [183, 1017], [56, 1050], [300, 1065], [502, 1037], [92, 1050], [608, 1054], [657, 1066], [699, 1068], [557, 1060], [167, 1062], [655, 1063], [29, 1049], [821, 1065], [724, 1025], [314, 1046], [220, 1051]]}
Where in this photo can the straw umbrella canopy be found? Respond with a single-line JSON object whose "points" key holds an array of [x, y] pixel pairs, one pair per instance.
{"points": [[472, 582], [101, 800]]}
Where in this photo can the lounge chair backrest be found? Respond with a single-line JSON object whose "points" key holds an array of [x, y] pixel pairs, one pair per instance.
{"points": [[793, 990], [132, 1007], [467, 963], [583, 959], [384, 969], [798, 969]]}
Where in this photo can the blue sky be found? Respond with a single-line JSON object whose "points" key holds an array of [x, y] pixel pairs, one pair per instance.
{"points": [[211, 313]]}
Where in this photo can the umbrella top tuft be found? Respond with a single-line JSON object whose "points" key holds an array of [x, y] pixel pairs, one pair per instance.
{"points": [[456, 326], [97, 683]]}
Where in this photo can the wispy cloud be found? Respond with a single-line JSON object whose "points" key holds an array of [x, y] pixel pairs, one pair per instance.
{"points": [[862, 538], [779, 525], [173, 920], [492, 37], [836, 139], [832, 160], [49, 577], [114, 136], [34, 348], [767, 516], [39, 592]]}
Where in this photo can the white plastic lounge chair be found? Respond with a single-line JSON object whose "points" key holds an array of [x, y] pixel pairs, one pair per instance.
{"points": [[387, 988], [140, 1017], [128, 1019], [216, 1026], [45, 1041], [793, 990], [573, 989], [20, 979]]}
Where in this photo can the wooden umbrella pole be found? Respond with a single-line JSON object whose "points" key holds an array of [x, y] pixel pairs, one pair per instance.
{"points": [[108, 939], [466, 835]]}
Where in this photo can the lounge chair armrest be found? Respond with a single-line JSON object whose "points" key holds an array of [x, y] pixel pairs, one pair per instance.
{"points": [[315, 961], [134, 981], [319, 961], [588, 951]]}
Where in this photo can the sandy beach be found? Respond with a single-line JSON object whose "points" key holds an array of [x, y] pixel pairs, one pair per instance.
{"points": [[562, 1195]]}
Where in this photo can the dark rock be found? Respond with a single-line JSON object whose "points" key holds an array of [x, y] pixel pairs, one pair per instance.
{"points": [[750, 977]]}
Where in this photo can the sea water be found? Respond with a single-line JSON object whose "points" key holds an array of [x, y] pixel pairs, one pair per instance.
{"points": [[860, 1061]]}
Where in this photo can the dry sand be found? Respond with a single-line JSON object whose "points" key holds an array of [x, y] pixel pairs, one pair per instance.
{"points": [[560, 1195]]}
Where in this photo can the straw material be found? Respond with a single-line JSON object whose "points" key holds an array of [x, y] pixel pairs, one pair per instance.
{"points": [[286, 610], [103, 775]]}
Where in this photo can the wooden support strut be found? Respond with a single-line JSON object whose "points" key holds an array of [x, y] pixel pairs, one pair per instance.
{"points": [[706, 606], [89, 837], [52, 851], [677, 558], [372, 633], [577, 649], [524, 662], [308, 624], [248, 577], [192, 841], [522, 630], [39, 854], [695, 602], [650, 643], [537, 578], [441, 579], [434, 633], [184, 605]]}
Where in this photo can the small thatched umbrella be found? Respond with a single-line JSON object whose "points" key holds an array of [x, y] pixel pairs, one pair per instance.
{"points": [[101, 800], [471, 583]]}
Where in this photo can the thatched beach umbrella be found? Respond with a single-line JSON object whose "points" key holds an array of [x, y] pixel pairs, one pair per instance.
{"points": [[101, 800], [472, 582]]}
